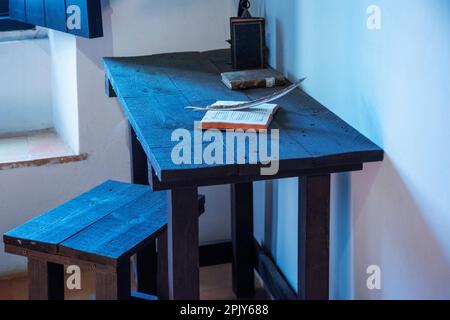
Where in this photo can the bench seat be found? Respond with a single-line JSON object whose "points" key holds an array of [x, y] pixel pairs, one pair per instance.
{"points": [[103, 227]]}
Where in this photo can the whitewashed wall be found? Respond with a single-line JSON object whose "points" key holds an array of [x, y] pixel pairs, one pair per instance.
{"points": [[391, 84], [25, 99], [132, 27]]}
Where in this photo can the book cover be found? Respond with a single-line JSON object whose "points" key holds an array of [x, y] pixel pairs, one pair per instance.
{"points": [[247, 79]]}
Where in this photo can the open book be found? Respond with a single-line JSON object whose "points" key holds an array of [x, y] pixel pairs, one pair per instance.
{"points": [[257, 118]]}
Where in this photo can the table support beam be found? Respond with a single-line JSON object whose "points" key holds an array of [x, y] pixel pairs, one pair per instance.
{"points": [[314, 237], [242, 238]]}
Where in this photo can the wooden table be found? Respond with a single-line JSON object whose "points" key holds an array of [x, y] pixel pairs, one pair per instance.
{"points": [[314, 143]]}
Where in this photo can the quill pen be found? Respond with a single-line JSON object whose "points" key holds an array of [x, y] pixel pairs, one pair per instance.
{"points": [[250, 104]]}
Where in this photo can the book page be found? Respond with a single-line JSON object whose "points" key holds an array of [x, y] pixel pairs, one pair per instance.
{"points": [[255, 116]]}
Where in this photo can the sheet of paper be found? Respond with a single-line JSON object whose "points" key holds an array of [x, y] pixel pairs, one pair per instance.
{"points": [[257, 115]]}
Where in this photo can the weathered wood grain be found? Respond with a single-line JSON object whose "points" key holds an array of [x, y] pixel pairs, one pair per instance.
{"points": [[55, 15], [47, 231], [104, 225], [120, 233], [153, 91]]}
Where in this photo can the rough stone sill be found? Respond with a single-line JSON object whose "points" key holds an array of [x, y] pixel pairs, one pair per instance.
{"points": [[35, 149], [43, 162]]}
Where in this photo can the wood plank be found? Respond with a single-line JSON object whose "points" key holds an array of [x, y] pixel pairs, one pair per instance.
{"points": [[17, 10], [314, 238], [154, 129], [91, 18], [242, 237], [124, 231], [52, 14], [57, 259], [55, 15], [153, 91], [121, 233], [327, 139], [45, 279], [183, 256], [47, 231], [35, 12], [157, 185]]}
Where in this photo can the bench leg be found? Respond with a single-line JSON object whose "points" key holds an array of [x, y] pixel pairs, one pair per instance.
{"points": [[116, 285], [163, 277], [146, 265], [45, 280], [242, 237]]}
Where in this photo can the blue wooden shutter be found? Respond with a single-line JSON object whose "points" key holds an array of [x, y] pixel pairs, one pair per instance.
{"points": [[35, 12], [17, 10], [53, 14], [91, 17], [4, 8]]}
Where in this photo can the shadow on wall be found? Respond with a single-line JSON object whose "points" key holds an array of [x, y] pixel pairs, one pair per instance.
{"points": [[368, 217], [341, 284], [392, 86], [390, 231]]}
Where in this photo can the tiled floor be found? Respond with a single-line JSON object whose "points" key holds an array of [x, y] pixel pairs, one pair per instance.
{"points": [[215, 284], [33, 146]]}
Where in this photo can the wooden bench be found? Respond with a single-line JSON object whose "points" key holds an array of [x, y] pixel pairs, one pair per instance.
{"points": [[100, 230]]}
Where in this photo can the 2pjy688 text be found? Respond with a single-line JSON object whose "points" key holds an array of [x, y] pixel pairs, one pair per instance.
{"points": [[245, 310], [232, 310]]}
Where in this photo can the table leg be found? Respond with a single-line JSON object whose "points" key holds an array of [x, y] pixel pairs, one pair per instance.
{"points": [[313, 238], [146, 259], [242, 238], [183, 252]]}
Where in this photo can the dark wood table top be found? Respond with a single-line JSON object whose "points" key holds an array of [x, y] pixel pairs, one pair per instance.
{"points": [[154, 91]]}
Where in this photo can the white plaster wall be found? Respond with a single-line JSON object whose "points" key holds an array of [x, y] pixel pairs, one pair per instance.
{"points": [[393, 86], [25, 99], [64, 87], [132, 27]]}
